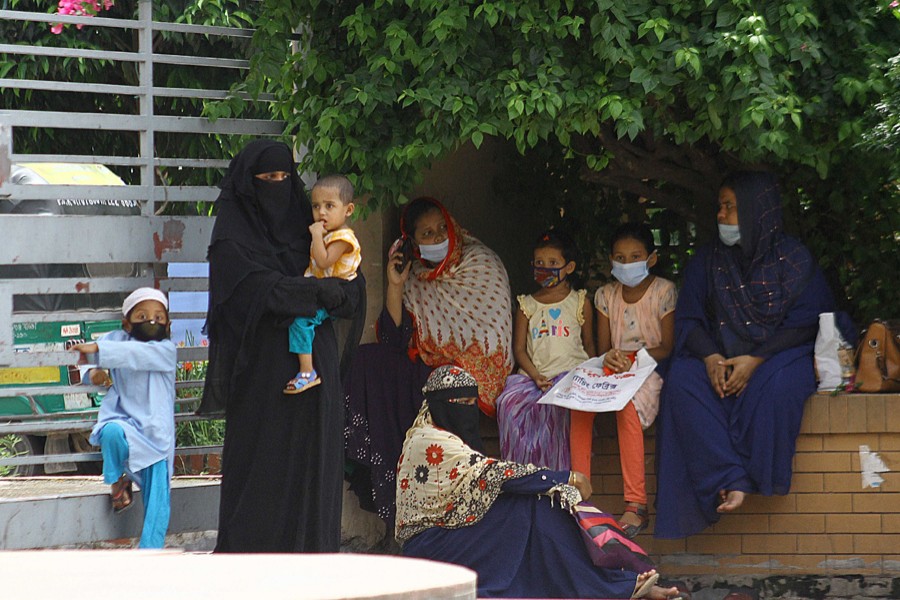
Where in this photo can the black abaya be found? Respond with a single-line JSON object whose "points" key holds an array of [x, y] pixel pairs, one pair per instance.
{"points": [[283, 454]]}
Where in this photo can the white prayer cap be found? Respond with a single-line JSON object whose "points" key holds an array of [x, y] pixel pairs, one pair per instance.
{"points": [[141, 294]]}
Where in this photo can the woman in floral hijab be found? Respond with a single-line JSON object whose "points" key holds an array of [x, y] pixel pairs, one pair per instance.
{"points": [[507, 521]]}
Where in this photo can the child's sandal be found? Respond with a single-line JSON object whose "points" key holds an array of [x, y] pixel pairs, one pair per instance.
{"points": [[631, 530], [302, 382], [122, 495]]}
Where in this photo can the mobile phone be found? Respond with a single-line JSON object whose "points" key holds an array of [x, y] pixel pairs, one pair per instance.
{"points": [[404, 246]]}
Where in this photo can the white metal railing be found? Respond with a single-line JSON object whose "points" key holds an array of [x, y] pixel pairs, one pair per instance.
{"points": [[147, 241]]}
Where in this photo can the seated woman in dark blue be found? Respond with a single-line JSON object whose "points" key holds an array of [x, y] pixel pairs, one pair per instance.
{"points": [[745, 325], [506, 521]]}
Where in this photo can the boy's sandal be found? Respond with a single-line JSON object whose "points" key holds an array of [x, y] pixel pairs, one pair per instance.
{"points": [[122, 495], [631, 530], [302, 382]]}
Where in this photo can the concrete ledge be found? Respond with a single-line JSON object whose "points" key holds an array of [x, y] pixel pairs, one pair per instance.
{"points": [[49, 512]]}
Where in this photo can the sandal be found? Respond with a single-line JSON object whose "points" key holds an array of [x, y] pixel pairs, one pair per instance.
{"points": [[122, 495], [632, 531], [302, 382], [643, 588]]}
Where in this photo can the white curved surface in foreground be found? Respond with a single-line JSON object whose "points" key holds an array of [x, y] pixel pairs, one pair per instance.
{"points": [[146, 575]]}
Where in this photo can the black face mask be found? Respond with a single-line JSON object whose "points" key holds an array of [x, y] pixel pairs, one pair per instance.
{"points": [[458, 419], [149, 331], [274, 201]]}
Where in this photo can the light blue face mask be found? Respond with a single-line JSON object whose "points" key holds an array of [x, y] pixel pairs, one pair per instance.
{"points": [[630, 274], [729, 234], [434, 253]]}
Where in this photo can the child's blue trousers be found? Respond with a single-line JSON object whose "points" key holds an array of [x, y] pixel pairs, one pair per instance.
{"points": [[154, 482], [303, 330]]}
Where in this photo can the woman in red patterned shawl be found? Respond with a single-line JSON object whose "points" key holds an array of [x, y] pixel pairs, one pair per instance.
{"points": [[447, 302]]}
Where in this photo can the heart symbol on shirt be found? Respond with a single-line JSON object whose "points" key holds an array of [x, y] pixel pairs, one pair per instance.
{"points": [[554, 313]]}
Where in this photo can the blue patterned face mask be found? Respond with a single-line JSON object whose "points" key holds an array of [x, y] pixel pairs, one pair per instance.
{"points": [[729, 234], [630, 274], [547, 276]]}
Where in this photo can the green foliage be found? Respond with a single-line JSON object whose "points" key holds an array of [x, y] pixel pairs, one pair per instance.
{"points": [[653, 98], [11, 446]]}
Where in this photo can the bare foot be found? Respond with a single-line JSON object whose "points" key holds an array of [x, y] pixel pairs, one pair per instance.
{"points": [[731, 500], [661, 593]]}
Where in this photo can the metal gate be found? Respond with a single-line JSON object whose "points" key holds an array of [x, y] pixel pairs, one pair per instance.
{"points": [[101, 256]]}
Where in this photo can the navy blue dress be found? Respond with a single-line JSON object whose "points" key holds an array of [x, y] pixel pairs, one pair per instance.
{"points": [[705, 443], [524, 547]]}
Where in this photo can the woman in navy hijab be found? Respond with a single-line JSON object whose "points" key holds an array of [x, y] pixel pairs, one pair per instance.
{"points": [[745, 324]]}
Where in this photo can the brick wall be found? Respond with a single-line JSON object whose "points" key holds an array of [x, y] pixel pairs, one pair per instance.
{"points": [[827, 525]]}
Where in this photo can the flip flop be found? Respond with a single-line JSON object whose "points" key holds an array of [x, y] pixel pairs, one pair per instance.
{"points": [[644, 588], [302, 382]]}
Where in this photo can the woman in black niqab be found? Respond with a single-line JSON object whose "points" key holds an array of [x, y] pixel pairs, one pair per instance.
{"points": [[282, 458]]}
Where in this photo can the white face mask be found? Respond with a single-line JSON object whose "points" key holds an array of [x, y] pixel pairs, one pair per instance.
{"points": [[630, 274], [729, 234], [434, 253]]}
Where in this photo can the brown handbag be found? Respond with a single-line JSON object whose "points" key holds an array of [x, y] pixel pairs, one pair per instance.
{"points": [[879, 358]]}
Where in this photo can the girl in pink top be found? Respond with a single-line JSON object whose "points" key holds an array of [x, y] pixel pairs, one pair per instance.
{"points": [[634, 312]]}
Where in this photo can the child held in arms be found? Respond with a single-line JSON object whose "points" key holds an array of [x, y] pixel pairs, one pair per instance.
{"points": [[334, 252]]}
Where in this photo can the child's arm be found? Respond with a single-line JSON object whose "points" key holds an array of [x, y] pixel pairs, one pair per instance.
{"points": [[326, 256], [520, 351], [615, 361], [587, 329], [667, 326], [138, 356]]}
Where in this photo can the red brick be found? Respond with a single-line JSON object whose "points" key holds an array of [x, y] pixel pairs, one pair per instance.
{"points": [[853, 523], [810, 442], [856, 416], [837, 413], [822, 462], [883, 502], [825, 544], [875, 543], [875, 414], [797, 523], [807, 482], [824, 503], [768, 544], [889, 441], [740, 523], [890, 523], [815, 416], [714, 544], [849, 442], [844, 482]]}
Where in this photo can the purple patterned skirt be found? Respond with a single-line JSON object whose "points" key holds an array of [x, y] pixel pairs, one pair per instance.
{"points": [[531, 432]]}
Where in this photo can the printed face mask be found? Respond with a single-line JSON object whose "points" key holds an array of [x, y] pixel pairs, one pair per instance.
{"points": [[149, 331], [547, 276], [630, 274], [729, 234], [434, 253]]}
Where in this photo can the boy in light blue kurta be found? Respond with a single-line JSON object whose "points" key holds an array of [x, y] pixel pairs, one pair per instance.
{"points": [[136, 425]]}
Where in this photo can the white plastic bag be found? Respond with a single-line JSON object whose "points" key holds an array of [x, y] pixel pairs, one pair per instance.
{"points": [[588, 389], [834, 356]]}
